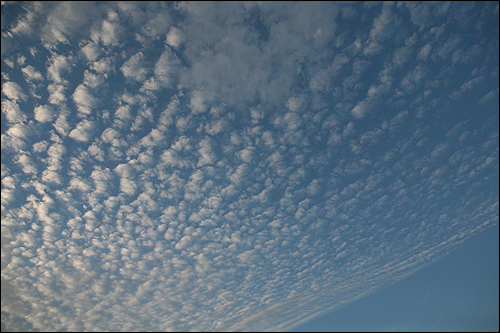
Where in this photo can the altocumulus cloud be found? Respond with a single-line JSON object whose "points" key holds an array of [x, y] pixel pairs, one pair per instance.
{"points": [[237, 166]]}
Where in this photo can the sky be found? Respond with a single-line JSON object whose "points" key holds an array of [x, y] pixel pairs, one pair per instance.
{"points": [[249, 166]]}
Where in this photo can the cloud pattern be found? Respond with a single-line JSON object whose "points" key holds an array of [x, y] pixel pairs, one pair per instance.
{"points": [[237, 166]]}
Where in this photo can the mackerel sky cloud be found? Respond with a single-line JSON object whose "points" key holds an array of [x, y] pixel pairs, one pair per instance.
{"points": [[237, 166]]}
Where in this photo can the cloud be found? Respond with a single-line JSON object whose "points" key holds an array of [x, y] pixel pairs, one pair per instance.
{"points": [[27, 164], [17, 135], [135, 67], [83, 131], [94, 81], [32, 74], [466, 87], [294, 103], [206, 153], [174, 37], [54, 159], [166, 67], [488, 96], [65, 21], [229, 163], [402, 55], [123, 112], [84, 99], [91, 51], [127, 186], [247, 154], [13, 112], [165, 72], [57, 95], [396, 122], [110, 32], [104, 65], [102, 179], [61, 124], [40, 146], [424, 52], [49, 176], [449, 46], [13, 91], [155, 137], [198, 102], [26, 22], [78, 184], [44, 113], [362, 109], [384, 26], [58, 65]]}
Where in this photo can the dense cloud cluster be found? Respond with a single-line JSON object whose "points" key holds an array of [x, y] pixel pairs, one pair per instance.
{"points": [[237, 166]]}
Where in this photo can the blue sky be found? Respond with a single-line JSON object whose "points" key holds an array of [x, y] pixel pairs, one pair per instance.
{"points": [[249, 166]]}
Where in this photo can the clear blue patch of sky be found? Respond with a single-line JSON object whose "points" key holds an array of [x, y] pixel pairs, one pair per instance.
{"points": [[457, 293]]}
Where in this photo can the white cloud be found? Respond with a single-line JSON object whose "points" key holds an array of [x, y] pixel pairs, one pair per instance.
{"points": [[166, 69], [295, 104], [247, 154], [174, 37], [49, 176], [217, 126], [183, 242], [382, 24], [110, 32], [396, 122], [58, 65], [207, 155], [124, 170], [135, 67], [155, 137], [449, 47], [233, 166], [239, 174], [84, 99], [13, 112], [55, 153], [20, 131], [13, 91], [32, 74], [96, 151], [83, 131], [78, 184], [128, 186], [61, 124], [27, 164], [123, 112], [25, 24], [362, 109], [44, 113], [104, 65], [91, 51], [57, 95], [40, 146], [102, 179], [65, 21], [94, 81], [110, 135], [198, 102]]}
